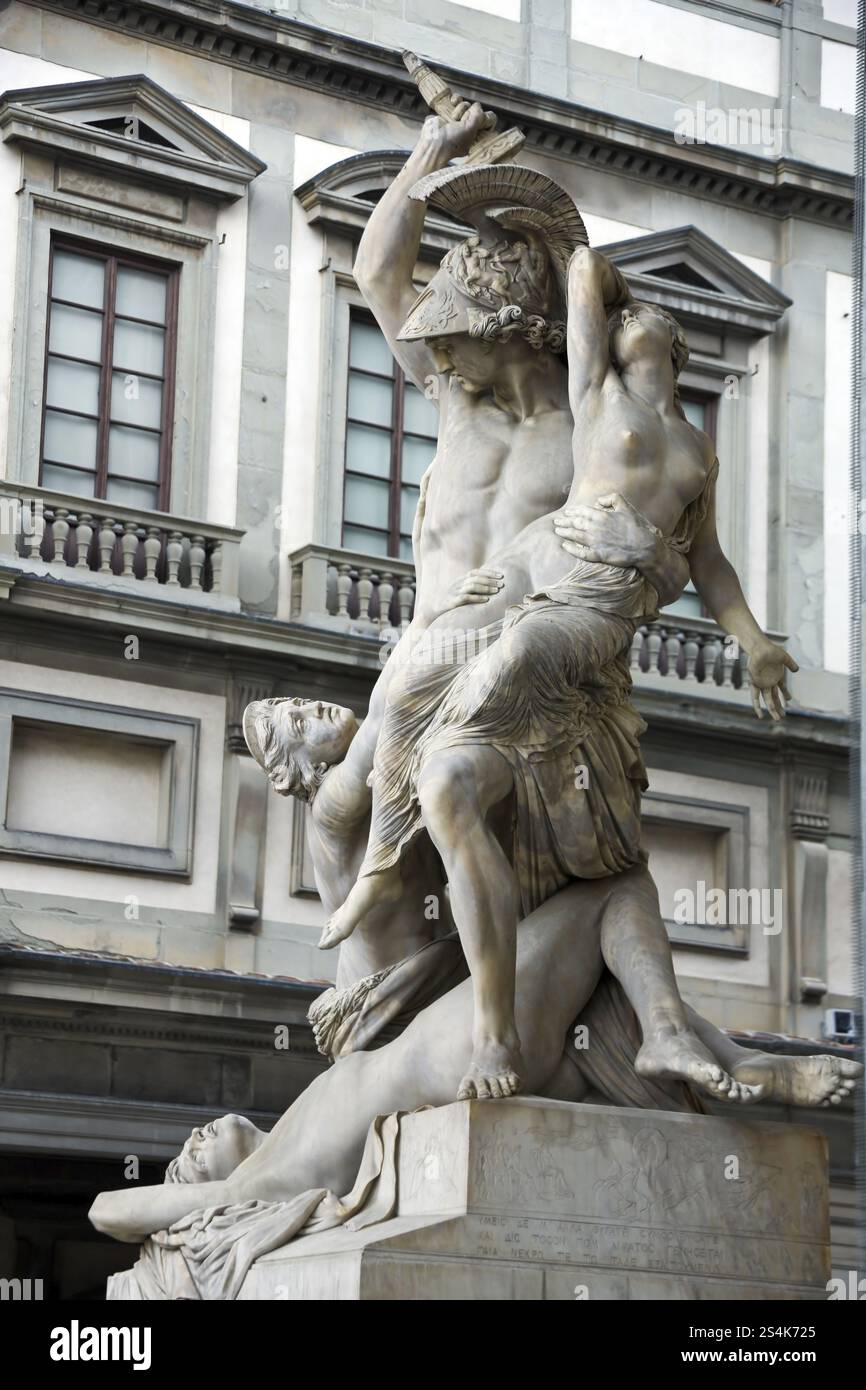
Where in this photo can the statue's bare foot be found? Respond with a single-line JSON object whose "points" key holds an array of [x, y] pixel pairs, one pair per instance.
{"points": [[810, 1081], [493, 1072], [681, 1056]]}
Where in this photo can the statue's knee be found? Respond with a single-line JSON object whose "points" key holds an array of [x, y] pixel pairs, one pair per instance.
{"points": [[514, 652]]}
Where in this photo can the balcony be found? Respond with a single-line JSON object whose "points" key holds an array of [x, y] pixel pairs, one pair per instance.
{"points": [[82, 541], [350, 592], [362, 595]]}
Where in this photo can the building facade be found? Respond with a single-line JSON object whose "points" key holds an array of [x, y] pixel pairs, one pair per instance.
{"points": [[209, 468]]}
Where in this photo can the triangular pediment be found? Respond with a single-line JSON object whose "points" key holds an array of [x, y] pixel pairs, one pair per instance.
{"points": [[108, 120], [688, 269]]}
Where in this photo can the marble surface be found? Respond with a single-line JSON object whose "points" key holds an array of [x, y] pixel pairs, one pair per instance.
{"points": [[535, 1199]]}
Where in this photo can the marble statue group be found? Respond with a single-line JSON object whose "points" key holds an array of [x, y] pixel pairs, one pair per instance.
{"points": [[498, 771]]}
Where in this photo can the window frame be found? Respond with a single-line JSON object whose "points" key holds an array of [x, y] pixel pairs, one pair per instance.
{"points": [[397, 433], [710, 401], [114, 257]]}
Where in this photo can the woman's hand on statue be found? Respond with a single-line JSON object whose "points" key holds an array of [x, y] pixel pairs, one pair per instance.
{"points": [[451, 139], [610, 532], [768, 667], [478, 586]]}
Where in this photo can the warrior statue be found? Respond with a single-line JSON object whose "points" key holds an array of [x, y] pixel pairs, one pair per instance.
{"points": [[473, 733], [499, 765]]}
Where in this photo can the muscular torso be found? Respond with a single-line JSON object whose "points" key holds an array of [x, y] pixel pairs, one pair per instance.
{"points": [[493, 475]]}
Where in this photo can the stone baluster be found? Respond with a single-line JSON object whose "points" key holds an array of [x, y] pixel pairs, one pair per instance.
{"points": [[344, 589], [710, 653], [653, 642], [730, 654], [216, 568], [60, 534], [691, 647], [196, 561], [107, 538], [83, 537], [129, 546], [406, 601], [152, 548], [672, 650], [365, 593], [34, 529], [386, 593], [173, 557], [741, 664], [637, 648]]}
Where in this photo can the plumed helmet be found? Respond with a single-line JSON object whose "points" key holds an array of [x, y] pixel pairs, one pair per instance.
{"points": [[510, 276]]}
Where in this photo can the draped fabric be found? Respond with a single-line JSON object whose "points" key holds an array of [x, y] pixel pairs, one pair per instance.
{"points": [[350, 1020], [207, 1255], [548, 689]]}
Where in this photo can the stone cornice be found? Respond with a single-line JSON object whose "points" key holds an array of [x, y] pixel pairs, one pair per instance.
{"points": [[305, 55], [680, 715], [281, 650], [59, 119]]}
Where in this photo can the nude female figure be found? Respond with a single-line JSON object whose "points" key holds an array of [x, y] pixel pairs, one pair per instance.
{"points": [[318, 1142], [440, 761]]}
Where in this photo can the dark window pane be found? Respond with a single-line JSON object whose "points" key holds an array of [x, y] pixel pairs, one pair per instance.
{"points": [[367, 502], [368, 349], [141, 294], [370, 399], [369, 542], [72, 386], [133, 453], [75, 332], [67, 480], [406, 552], [135, 400], [69, 439], [80, 279], [420, 416], [368, 451], [408, 506], [417, 457], [696, 413], [138, 348], [132, 494]]}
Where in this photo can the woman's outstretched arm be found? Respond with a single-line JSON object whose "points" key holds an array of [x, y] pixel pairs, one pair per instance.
{"points": [[133, 1213]]}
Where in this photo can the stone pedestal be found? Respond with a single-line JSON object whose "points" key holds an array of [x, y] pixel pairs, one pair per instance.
{"points": [[537, 1199]]}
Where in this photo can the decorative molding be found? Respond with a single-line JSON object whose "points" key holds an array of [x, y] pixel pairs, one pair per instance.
{"points": [[116, 222], [731, 821], [48, 1122], [176, 736], [810, 817], [101, 1028], [289, 50], [714, 287], [243, 688], [312, 657], [302, 879], [184, 151]]}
